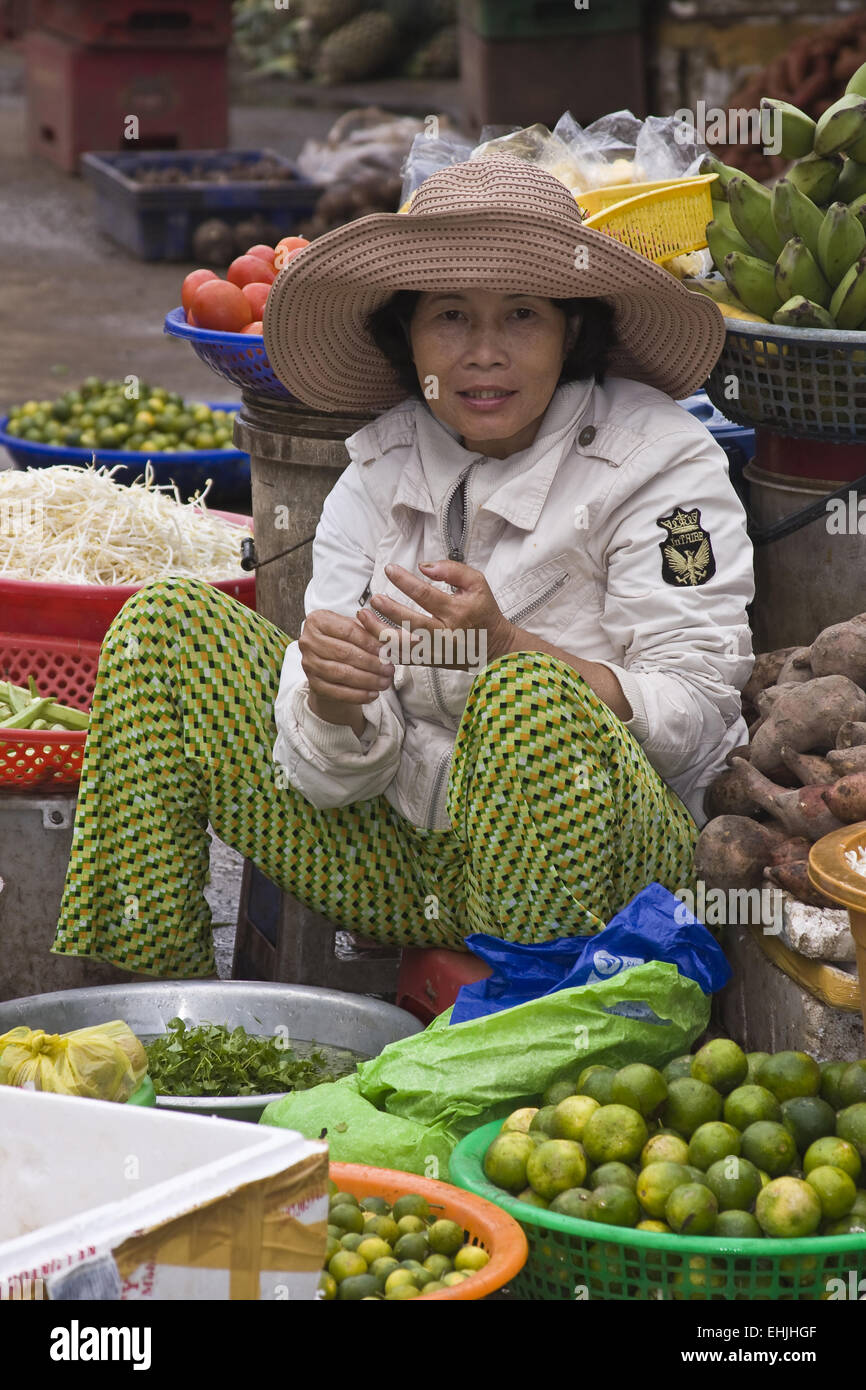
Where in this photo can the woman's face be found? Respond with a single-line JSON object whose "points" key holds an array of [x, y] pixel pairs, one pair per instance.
{"points": [[469, 343]]}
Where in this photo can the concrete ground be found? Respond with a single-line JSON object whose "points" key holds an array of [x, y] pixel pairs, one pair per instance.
{"points": [[75, 304]]}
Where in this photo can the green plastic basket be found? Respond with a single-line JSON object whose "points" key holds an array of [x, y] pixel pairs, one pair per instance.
{"points": [[572, 1259]]}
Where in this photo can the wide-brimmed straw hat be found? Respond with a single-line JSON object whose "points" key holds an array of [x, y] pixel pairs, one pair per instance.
{"points": [[498, 223]]}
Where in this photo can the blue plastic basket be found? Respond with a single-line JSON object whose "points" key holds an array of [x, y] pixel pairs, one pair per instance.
{"points": [[238, 357], [190, 469]]}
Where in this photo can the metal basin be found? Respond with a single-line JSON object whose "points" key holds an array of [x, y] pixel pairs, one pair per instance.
{"points": [[308, 1013]]}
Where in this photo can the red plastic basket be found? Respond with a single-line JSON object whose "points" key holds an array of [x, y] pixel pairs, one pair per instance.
{"points": [[66, 669]]}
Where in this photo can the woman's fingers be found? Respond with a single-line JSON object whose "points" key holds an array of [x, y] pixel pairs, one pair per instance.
{"points": [[345, 694], [341, 673], [346, 653]]}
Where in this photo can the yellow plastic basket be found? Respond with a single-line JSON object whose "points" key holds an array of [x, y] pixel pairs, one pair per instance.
{"points": [[658, 220]]}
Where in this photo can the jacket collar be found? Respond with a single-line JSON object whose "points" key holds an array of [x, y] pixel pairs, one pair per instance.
{"points": [[436, 458]]}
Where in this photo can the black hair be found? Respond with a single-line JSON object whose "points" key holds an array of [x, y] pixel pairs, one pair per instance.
{"points": [[589, 357]]}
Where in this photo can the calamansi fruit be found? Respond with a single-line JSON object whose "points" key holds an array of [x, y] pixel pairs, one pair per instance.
{"points": [[470, 1257], [788, 1208], [555, 1166], [614, 1133], [721, 1064], [836, 1191], [445, 1237], [345, 1264]]}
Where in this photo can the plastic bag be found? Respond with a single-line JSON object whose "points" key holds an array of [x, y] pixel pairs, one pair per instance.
{"points": [[447, 1080], [427, 155], [105, 1062], [655, 925]]}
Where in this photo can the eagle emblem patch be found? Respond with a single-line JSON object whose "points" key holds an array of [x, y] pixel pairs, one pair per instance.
{"points": [[687, 555]]}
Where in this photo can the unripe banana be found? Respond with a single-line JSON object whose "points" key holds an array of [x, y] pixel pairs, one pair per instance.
{"points": [[753, 282], [797, 273], [816, 176], [841, 125], [857, 151], [752, 210], [852, 181], [858, 207], [848, 305], [800, 312], [718, 188], [840, 241], [796, 215], [716, 289], [722, 239], [857, 83], [798, 129]]}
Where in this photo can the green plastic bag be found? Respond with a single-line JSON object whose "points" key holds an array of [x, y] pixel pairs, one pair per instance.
{"points": [[447, 1081]]}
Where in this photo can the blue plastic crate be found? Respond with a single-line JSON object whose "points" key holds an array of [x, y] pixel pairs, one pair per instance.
{"points": [[156, 222], [737, 441], [189, 469]]}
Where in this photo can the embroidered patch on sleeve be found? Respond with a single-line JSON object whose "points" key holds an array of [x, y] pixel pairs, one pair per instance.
{"points": [[687, 554]]}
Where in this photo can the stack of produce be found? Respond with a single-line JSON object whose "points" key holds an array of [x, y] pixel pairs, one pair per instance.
{"points": [[379, 1251], [27, 709], [719, 1143], [349, 199], [809, 74], [796, 255], [110, 415], [802, 773], [237, 304]]}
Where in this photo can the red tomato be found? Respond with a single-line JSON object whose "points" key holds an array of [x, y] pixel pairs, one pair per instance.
{"points": [[287, 248], [190, 318], [191, 284], [221, 306], [254, 328], [265, 253], [248, 270], [256, 294]]}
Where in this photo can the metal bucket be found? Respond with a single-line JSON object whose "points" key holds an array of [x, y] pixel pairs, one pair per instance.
{"points": [[808, 580], [296, 456], [309, 1014]]}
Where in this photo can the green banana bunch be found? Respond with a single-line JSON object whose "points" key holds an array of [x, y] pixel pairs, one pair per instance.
{"points": [[721, 239], [840, 241], [858, 207], [797, 274], [798, 129], [753, 282], [718, 188], [848, 305], [796, 215], [816, 176], [752, 210], [857, 84], [852, 181], [800, 312], [843, 124]]}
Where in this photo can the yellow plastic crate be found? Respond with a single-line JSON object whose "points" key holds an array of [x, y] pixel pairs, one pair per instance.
{"points": [[658, 220]]}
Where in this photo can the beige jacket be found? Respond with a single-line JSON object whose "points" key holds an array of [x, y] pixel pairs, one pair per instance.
{"points": [[571, 536]]}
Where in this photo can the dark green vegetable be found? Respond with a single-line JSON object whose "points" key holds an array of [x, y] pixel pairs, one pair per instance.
{"points": [[211, 1060]]}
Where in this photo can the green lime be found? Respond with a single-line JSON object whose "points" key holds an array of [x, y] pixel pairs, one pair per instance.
{"points": [[558, 1091], [696, 1174], [852, 1086], [373, 1248], [755, 1060], [691, 1209], [574, 1201], [789, 1074], [847, 1226], [532, 1199], [617, 1173], [859, 1207], [506, 1159], [520, 1120], [807, 1118], [399, 1279], [836, 1152], [383, 1226], [471, 1258], [836, 1191], [412, 1247], [351, 1240], [437, 1265], [445, 1237], [614, 1133], [345, 1264], [712, 1141], [411, 1226], [597, 1081], [655, 1184], [788, 1208], [377, 1205], [555, 1166], [661, 1148], [690, 1104], [749, 1103], [640, 1087], [356, 1287], [659, 1227], [383, 1267], [332, 1245], [542, 1122], [734, 1182], [571, 1116], [614, 1206], [347, 1218], [851, 1125], [831, 1076], [721, 1064], [769, 1146], [737, 1225]]}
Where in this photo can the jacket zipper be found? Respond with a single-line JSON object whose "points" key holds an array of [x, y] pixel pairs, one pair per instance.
{"points": [[523, 613]]}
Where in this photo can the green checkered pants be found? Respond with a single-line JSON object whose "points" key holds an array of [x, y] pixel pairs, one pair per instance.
{"points": [[558, 819]]}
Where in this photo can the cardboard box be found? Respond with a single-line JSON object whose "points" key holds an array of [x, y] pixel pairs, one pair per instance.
{"points": [[105, 1201]]}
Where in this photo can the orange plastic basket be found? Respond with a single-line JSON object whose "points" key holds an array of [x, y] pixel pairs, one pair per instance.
{"points": [[64, 667], [483, 1223]]}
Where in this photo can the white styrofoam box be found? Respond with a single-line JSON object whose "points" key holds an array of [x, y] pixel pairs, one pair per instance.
{"points": [[81, 1177]]}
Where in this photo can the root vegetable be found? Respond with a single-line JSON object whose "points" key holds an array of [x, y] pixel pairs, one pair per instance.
{"points": [[765, 672], [847, 797], [846, 760], [806, 716], [797, 847], [851, 734], [727, 796], [802, 810], [793, 877], [732, 852], [797, 668], [742, 751], [809, 768], [841, 650]]}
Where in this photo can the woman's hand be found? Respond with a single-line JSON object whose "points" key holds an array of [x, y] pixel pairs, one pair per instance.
{"points": [[473, 609], [343, 667]]}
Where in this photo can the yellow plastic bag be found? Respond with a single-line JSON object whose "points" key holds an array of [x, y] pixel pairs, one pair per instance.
{"points": [[106, 1062]]}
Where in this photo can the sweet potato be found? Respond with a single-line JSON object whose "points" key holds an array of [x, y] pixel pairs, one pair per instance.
{"points": [[851, 734], [741, 751], [802, 810], [847, 797], [809, 768], [797, 668], [727, 795], [765, 672], [846, 760], [840, 650], [793, 877], [732, 852], [795, 847], [806, 717]]}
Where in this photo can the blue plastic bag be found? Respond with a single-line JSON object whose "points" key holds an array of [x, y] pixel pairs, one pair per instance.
{"points": [[654, 926]]}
